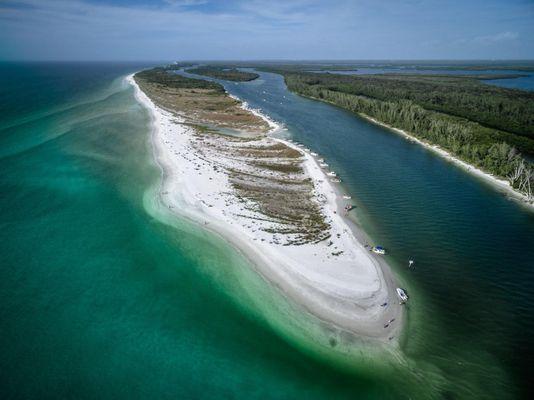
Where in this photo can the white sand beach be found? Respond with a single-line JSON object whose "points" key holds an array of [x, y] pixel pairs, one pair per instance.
{"points": [[337, 280]]}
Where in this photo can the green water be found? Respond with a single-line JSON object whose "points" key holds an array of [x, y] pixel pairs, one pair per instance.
{"points": [[104, 295]]}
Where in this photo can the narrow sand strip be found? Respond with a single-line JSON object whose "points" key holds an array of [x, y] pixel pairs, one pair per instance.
{"points": [[499, 183], [338, 280]]}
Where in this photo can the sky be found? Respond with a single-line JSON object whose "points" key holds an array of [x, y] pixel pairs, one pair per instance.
{"points": [[169, 30]]}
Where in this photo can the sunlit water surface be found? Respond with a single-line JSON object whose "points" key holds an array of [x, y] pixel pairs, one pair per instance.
{"points": [[103, 295]]}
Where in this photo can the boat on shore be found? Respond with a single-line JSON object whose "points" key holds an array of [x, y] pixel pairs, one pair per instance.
{"points": [[379, 250], [402, 294]]}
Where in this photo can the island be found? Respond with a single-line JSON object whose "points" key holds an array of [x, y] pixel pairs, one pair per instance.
{"points": [[228, 74], [273, 201]]}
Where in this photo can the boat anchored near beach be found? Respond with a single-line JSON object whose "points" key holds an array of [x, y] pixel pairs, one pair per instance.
{"points": [[402, 295], [379, 250]]}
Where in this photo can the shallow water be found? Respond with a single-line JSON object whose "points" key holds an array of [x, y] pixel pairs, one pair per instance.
{"points": [[100, 297], [103, 296]]}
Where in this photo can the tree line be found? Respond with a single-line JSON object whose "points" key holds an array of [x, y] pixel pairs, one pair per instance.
{"points": [[504, 109], [224, 73], [468, 140], [166, 77]]}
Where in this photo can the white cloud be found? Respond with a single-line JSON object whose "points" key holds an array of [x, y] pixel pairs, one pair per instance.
{"points": [[79, 29], [496, 38]]}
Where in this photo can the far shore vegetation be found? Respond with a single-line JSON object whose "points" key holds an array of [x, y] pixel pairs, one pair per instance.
{"points": [[227, 74], [162, 77], [487, 126]]}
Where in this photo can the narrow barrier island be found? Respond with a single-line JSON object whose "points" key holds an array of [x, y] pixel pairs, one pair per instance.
{"points": [[271, 200]]}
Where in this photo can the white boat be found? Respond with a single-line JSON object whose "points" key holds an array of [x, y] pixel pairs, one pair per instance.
{"points": [[321, 160], [402, 294], [313, 154], [323, 165], [335, 180], [347, 197], [379, 250], [331, 173]]}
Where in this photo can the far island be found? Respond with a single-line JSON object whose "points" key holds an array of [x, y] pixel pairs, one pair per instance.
{"points": [[228, 74]]}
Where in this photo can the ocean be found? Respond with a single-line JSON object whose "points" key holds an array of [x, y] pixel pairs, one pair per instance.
{"points": [[105, 296]]}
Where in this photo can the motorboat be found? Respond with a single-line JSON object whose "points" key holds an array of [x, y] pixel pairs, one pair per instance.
{"points": [[402, 294], [379, 250]]}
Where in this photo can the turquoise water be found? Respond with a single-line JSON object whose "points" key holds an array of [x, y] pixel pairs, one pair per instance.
{"points": [[103, 295], [101, 300]]}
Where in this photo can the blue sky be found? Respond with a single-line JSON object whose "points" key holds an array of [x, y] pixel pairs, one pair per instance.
{"points": [[265, 29]]}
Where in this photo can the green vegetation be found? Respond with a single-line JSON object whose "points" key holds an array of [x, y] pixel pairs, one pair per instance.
{"points": [[504, 109], [163, 77], [459, 114], [228, 74]]}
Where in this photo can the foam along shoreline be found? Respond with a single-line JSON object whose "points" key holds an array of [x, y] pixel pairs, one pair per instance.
{"points": [[500, 184], [339, 283]]}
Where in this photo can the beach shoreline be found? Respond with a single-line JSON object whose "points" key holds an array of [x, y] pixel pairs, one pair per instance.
{"points": [[501, 184], [351, 302]]}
